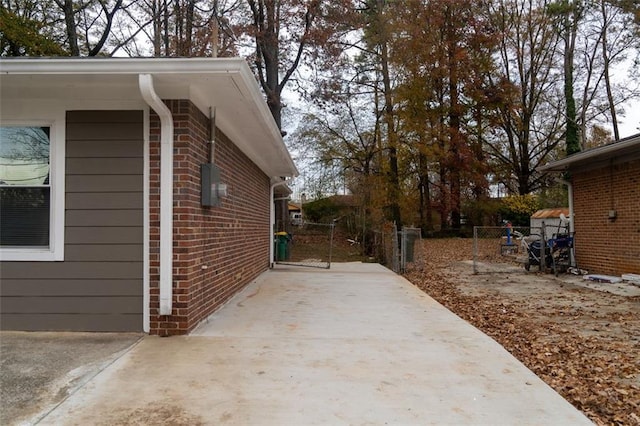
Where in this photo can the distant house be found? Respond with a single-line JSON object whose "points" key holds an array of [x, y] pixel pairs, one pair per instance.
{"points": [[295, 214], [605, 203], [137, 194]]}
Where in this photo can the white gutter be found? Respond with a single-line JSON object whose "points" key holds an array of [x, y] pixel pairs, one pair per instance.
{"points": [[625, 146], [272, 216], [142, 66], [166, 190]]}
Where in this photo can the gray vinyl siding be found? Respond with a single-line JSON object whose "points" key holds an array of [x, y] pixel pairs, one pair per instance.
{"points": [[98, 286]]}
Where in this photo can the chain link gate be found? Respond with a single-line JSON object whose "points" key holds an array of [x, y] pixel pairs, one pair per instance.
{"points": [[310, 245]]}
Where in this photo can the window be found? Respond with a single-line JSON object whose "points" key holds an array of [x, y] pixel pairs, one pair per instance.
{"points": [[27, 225]]}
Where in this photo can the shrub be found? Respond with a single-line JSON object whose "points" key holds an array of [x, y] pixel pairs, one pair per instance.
{"points": [[518, 208]]}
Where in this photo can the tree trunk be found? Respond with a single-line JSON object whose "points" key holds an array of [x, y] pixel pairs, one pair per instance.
{"points": [[480, 184], [188, 33], [266, 26], [389, 113], [607, 76], [165, 12], [570, 20], [454, 124], [426, 219], [157, 28], [70, 22], [444, 197], [215, 31]]}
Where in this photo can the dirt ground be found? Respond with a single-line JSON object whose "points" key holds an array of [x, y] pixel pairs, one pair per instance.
{"points": [[583, 341]]}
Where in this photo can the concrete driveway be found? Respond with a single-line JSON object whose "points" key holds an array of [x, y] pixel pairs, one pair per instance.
{"points": [[39, 370], [356, 344]]}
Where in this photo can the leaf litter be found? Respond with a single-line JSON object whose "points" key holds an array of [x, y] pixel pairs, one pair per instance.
{"points": [[583, 343]]}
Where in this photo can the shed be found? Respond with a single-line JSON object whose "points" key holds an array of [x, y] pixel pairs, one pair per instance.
{"points": [[604, 196], [157, 202], [551, 218]]}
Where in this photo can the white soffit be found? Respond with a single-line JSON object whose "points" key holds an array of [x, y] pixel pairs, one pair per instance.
{"points": [[224, 83]]}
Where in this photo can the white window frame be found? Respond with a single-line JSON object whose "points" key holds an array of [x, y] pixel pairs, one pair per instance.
{"points": [[55, 251]]}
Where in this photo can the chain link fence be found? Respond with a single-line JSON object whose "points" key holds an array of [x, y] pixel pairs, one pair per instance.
{"points": [[394, 248], [512, 249], [506, 249]]}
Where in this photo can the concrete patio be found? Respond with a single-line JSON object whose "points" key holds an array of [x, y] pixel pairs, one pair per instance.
{"points": [[355, 344]]}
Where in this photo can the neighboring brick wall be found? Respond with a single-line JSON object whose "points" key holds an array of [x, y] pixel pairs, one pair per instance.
{"points": [[230, 241], [604, 246]]}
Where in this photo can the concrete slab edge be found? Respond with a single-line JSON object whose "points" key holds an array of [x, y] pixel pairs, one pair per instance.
{"points": [[82, 383]]}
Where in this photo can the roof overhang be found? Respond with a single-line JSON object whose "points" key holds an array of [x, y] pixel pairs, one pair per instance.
{"points": [[627, 149], [226, 84]]}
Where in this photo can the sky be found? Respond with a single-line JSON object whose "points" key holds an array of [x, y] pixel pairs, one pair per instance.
{"points": [[630, 124]]}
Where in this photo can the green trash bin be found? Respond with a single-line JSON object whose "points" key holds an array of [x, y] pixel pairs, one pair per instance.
{"points": [[409, 246], [282, 246]]}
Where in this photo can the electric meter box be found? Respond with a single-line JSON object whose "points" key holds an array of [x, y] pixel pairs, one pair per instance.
{"points": [[212, 190]]}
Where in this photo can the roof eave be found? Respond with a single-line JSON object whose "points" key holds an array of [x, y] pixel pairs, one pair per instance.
{"points": [[631, 144], [236, 68], [119, 65]]}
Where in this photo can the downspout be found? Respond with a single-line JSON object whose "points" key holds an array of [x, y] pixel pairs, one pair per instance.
{"points": [[571, 218], [272, 216], [149, 95], [570, 195]]}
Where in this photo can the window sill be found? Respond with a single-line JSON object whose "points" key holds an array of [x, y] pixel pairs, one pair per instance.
{"points": [[30, 255]]}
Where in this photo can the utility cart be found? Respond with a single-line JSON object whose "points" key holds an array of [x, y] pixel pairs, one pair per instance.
{"points": [[557, 251], [561, 246]]}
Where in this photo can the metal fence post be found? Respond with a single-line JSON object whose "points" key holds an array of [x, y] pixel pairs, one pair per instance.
{"points": [[333, 225], [403, 249], [543, 248], [475, 249], [394, 248]]}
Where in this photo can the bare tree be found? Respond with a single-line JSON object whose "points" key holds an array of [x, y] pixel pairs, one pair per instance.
{"points": [[606, 41], [568, 16], [530, 122], [88, 24], [281, 31], [616, 39], [184, 28]]}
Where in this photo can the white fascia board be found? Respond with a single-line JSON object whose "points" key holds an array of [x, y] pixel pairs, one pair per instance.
{"points": [[120, 65], [592, 154]]}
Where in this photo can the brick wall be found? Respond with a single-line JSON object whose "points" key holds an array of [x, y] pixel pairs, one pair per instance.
{"points": [[217, 250], [604, 246]]}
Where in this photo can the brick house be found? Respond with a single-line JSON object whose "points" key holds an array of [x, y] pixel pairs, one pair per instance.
{"points": [[137, 194], [604, 197]]}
